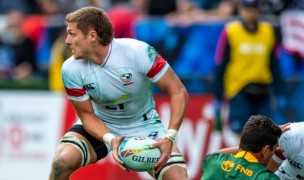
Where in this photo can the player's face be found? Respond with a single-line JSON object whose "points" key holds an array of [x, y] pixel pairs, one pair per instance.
{"points": [[77, 41]]}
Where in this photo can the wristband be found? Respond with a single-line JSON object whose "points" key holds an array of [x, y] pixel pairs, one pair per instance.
{"points": [[171, 134], [107, 138]]}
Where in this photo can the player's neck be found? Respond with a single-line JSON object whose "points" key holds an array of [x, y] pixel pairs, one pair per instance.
{"points": [[100, 54]]}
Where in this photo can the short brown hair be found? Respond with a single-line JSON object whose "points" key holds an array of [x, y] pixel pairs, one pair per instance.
{"points": [[258, 132], [88, 18]]}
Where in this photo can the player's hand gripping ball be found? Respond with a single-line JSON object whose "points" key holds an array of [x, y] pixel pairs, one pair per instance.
{"points": [[136, 154]]}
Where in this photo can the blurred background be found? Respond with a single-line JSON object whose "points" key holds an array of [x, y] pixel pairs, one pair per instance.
{"points": [[34, 111]]}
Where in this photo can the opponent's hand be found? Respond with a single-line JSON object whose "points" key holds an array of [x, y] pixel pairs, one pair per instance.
{"points": [[279, 149], [285, 127], [165, 145], [115, 144]]}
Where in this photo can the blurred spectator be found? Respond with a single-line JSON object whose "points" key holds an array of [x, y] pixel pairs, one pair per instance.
{"points": [[104, 4], [272, 7], [161, 7], [59, 53], [206, 4], [17, 50], [189, 13], [48, 25], [292, 26], [131, 12], [26, 6], [247, 68]]}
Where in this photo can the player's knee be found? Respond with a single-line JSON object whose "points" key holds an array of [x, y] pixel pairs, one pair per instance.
{"points": [[81, 146], [174, 172], [63, 164]]}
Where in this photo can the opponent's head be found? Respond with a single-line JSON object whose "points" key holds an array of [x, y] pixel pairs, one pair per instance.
{"points": [[92, 18], [260, 136]]}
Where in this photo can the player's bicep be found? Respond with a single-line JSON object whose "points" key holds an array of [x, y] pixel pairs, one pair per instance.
{"points": [[84, 109], [169, 82]]}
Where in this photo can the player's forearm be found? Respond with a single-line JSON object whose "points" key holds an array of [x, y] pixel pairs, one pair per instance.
{"points": [[179, 102], [95, 127], [92, 124]]}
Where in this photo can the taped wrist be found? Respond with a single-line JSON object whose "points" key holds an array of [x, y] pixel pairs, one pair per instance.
{"points": [[107, 138], [171, 134]]}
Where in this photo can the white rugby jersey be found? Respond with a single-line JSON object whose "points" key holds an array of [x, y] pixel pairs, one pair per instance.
{"points": [[121, 89], [293, 156]]}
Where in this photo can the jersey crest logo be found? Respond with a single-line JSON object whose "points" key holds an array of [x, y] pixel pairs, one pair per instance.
{"points": [[126, 78], [89, 86], [153, 135], [227, 166]]}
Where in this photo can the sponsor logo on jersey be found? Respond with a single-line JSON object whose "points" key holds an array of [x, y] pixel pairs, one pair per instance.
{"points": [[244, 170], [89, 86], [126, 79], [296, 164], [227, 166], [153, 135]]}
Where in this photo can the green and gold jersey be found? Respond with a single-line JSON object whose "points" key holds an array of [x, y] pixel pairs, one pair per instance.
{"points": [[242, 166]]}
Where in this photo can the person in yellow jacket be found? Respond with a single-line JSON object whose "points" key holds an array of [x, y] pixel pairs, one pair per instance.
{"points": [[59, 52], [247, 68]]}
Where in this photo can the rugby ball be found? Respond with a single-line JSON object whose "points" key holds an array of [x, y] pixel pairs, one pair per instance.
{"points": [[136, 154]]}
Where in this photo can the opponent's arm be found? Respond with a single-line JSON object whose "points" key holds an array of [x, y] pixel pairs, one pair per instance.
{"points": [[230, 150], [171, 84]]}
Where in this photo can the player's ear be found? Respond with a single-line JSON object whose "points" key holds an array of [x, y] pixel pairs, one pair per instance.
{"points": [[267, 151], [92, 35]]}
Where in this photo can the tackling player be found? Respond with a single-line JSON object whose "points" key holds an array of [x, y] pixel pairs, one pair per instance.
{"points": [[110, 84], [259, 140], [289, 164]]}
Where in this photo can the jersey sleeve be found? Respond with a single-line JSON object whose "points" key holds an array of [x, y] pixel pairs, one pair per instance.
{"points": [[72, 82], [152, 64], [285, 142]]}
